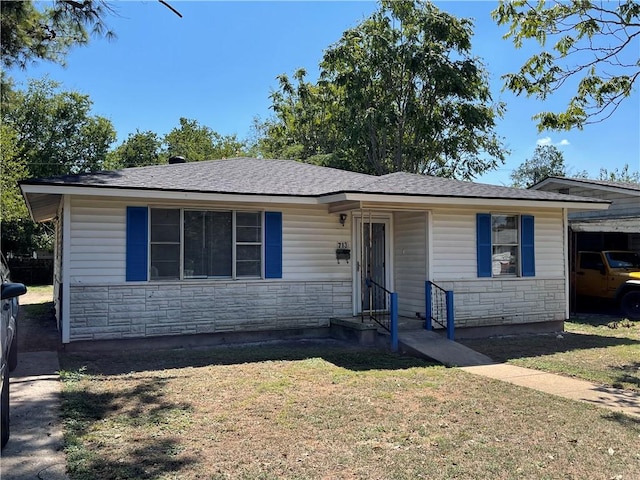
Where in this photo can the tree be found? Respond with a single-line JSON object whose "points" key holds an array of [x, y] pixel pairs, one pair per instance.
{"points": [[28, 34], [138, 150], [19, 234], [623, 175], [399, 92], [56, 134], [13, 168], [547, 161], [198, 142], [595, 44]]}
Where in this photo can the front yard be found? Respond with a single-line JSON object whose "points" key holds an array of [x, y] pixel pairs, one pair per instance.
{"points": [[323, 412], [599, 348]]}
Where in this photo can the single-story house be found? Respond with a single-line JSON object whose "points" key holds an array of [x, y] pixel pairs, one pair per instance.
{"points": [[617, 228], [241, 245]]}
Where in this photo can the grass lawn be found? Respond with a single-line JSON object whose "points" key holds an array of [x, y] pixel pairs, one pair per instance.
{"points": [[601, 349], [325, 412]]}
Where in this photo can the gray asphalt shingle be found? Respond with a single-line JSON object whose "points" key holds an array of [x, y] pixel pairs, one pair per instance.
{"points": [[251, 176]]}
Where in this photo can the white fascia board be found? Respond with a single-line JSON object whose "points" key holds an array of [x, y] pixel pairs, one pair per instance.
{"points": [[585, 184], [464, 201], [166, 194]]}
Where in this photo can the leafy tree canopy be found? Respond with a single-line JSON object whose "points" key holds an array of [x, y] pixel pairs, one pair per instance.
{"points": [[593, 44], [55, 131], [198, 142], [29, 34], [138, 150], [399, 92], [13, 168], [620, 175], [547, 161]]}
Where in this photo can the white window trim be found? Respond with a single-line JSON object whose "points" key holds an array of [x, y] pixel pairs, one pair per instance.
{"points": [[234, 243], [518, 244]]}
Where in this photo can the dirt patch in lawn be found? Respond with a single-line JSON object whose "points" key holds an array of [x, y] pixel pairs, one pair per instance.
{"points": [[323, 412]]}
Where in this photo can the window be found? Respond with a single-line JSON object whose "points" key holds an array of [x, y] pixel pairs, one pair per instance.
{"points": [[248, 244], [165, 244], [504, 244], [591, 261], [210, 244]]}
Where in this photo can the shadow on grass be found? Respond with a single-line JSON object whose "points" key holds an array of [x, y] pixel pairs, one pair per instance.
{"points": [[622, 419], [342, 355], [629, 373], [502, 349], [143, 406]]}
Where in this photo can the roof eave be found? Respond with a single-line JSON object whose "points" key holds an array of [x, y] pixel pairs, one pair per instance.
{"points": [[571, 205], [584, 183], [160, 194]]}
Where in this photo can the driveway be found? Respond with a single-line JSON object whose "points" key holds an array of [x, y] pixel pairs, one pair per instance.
{"points": [[35, 450]]}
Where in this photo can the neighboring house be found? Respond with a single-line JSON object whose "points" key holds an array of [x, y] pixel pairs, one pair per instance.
{"points": [[242, 245], [617, 228]]}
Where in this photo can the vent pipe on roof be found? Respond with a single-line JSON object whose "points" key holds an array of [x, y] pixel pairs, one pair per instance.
{"points": [[177, 159]]}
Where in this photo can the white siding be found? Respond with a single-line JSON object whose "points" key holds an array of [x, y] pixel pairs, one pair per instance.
{"points": [[310, 237], [454, 244], [98, 240], [549, 241], [410, 245]]}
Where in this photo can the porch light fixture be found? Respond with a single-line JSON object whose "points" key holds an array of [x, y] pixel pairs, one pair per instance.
{"points": [[343, 218]]}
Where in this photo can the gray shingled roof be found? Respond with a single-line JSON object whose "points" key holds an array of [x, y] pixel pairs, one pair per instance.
{"points": [[251, 176], [402, 183], [237, 175], [588, 181]]}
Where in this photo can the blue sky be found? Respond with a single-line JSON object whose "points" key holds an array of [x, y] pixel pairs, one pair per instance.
{"points": [[218, 64]]}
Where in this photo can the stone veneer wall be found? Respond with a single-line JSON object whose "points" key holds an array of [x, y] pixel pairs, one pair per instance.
{"points": [[480, 303], [114, 311]]}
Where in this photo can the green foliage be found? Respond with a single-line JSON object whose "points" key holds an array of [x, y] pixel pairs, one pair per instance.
{"points": [[623, 175], [12, 169], [138, 150], [22, 236], [28, 34], [593, 44], [56, 133], [198, 142], [399, 92], [547, 161]]}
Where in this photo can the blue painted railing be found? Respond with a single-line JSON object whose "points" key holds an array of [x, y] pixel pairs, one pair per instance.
{"points": [[439, 308], [384, 309]]}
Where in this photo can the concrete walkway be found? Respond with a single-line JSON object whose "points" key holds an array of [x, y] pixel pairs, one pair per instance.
{"points": [[614, 399], [437, 347], [35, 450]]}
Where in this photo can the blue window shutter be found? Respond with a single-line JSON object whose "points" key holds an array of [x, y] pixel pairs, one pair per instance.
{"points": [[483, 244], [527, 247], [273, 245], [137, 243]]}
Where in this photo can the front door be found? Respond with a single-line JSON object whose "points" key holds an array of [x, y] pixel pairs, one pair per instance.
{"points": [[372, 263]]}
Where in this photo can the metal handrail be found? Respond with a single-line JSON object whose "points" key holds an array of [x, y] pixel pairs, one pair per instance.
{"points": [[387, 317], [439, 308]]}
